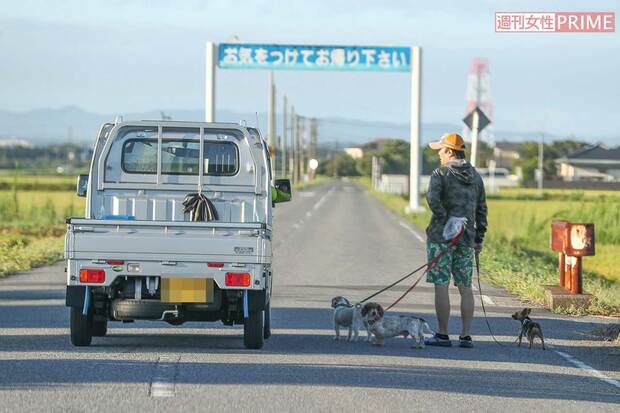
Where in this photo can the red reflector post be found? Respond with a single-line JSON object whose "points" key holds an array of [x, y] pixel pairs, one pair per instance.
{"points": [[237, 279], [215, 264], [92, 275]]}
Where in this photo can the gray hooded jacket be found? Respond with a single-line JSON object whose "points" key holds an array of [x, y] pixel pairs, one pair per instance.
{"points": [[456, 189]]}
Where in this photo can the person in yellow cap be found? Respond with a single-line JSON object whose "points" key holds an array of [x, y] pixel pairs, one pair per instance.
{"points": [[457, 199]]}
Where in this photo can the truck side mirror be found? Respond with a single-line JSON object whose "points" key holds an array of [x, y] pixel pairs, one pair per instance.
{"points": [[284, 188], [82, 185]]}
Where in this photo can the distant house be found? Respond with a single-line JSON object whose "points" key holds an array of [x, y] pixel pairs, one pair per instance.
{"points": [[15, 142], [506, 153], [355, 153], [592, 163]]}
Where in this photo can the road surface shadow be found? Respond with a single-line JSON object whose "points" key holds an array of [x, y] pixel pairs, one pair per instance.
{"points": [[283, 341], [486, 382]]}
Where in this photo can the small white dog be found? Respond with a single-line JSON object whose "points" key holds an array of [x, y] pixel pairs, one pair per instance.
{"points": [[383, 327], [350, 316]]}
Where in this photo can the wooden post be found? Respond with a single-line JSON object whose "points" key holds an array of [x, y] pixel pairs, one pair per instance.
{"points": [[576, 284], [562, 269]]}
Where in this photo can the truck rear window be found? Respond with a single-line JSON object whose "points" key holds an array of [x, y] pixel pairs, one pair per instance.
{"points": [[179, 157]]}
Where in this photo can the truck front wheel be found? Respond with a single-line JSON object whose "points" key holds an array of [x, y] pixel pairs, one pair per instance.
{"points": [[81, 327], [253, 330]]}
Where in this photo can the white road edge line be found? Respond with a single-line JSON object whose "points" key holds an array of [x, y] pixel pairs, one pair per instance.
{"points": [[591, 370], [415, 234], [163, 382], [487, 300]]}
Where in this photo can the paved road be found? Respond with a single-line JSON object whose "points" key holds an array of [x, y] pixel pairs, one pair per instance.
{"points": [[331, 240]]}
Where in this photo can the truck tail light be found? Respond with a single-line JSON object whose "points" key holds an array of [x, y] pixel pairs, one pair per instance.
{"points": [[88, 275], [215, 264], [115, 262], [238, 279]]}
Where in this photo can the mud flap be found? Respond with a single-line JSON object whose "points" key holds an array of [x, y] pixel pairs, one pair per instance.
{"points": [[256, 300], [75, 296]]}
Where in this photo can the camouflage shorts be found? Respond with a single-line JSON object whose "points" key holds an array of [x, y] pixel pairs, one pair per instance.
{"points": [[457, 261]]}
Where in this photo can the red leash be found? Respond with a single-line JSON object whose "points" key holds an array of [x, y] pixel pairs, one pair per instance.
{"points": [[432, 263]]}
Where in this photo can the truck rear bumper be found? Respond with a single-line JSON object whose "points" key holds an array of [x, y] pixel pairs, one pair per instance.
{"points": [[257, 300], [258, 273]]}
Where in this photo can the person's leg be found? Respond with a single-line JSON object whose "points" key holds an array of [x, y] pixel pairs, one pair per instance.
{"points": [[467, 308], [462, 270], [442, 307], [439, 274]]}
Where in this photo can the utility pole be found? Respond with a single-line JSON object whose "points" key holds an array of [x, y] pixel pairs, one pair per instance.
{"points": [[541, 173], [313, 138], [271, 121], [313, 146], [283, 139], [271, 115], [302, 148], [293, 154]]}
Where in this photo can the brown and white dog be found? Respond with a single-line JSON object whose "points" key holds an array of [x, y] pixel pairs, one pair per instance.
{"points": [[529, 328], [382, 326], [349, 316]]}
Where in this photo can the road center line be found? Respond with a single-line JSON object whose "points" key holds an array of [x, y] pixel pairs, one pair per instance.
{"points": [[323, 198], [590, 370], [164, 377]]}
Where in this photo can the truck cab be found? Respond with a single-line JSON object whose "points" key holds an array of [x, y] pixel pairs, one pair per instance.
{"points": [[177, 227]]}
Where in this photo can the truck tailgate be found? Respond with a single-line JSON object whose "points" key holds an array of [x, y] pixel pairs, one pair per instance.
{"points": [[167, 240]]}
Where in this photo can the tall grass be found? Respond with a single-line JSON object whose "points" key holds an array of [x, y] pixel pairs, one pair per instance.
{"points": [[32, 227]]}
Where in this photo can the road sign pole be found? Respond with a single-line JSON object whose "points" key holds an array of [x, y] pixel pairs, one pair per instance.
{"points": [[210, 82], [474, 138], [283, 139], [414, 132], [271, 116]]}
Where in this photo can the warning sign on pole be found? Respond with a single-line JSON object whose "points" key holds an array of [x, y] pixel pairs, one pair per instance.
{"points": [[483, 120]]}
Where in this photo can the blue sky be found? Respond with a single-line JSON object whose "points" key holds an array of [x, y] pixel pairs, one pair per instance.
{"points": [[126, 56]]}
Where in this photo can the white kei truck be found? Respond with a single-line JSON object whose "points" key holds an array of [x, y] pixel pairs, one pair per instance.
{"points": [[177, 228]]}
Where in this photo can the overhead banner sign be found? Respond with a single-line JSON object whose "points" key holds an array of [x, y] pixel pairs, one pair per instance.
{"points": [[297, 57]]}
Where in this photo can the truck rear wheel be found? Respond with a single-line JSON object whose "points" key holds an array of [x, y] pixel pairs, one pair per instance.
{"points": [[100, 328], [254, 330], [81, 327]]}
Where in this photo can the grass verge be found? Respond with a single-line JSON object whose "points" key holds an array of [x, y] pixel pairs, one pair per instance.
{"points": [[22, 252]]}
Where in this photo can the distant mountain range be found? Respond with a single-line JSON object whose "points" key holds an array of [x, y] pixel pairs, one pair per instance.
{"points": [[70, 123]]}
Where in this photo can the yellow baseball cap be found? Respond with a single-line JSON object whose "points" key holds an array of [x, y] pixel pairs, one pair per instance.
{"points": [[449, 140]]}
